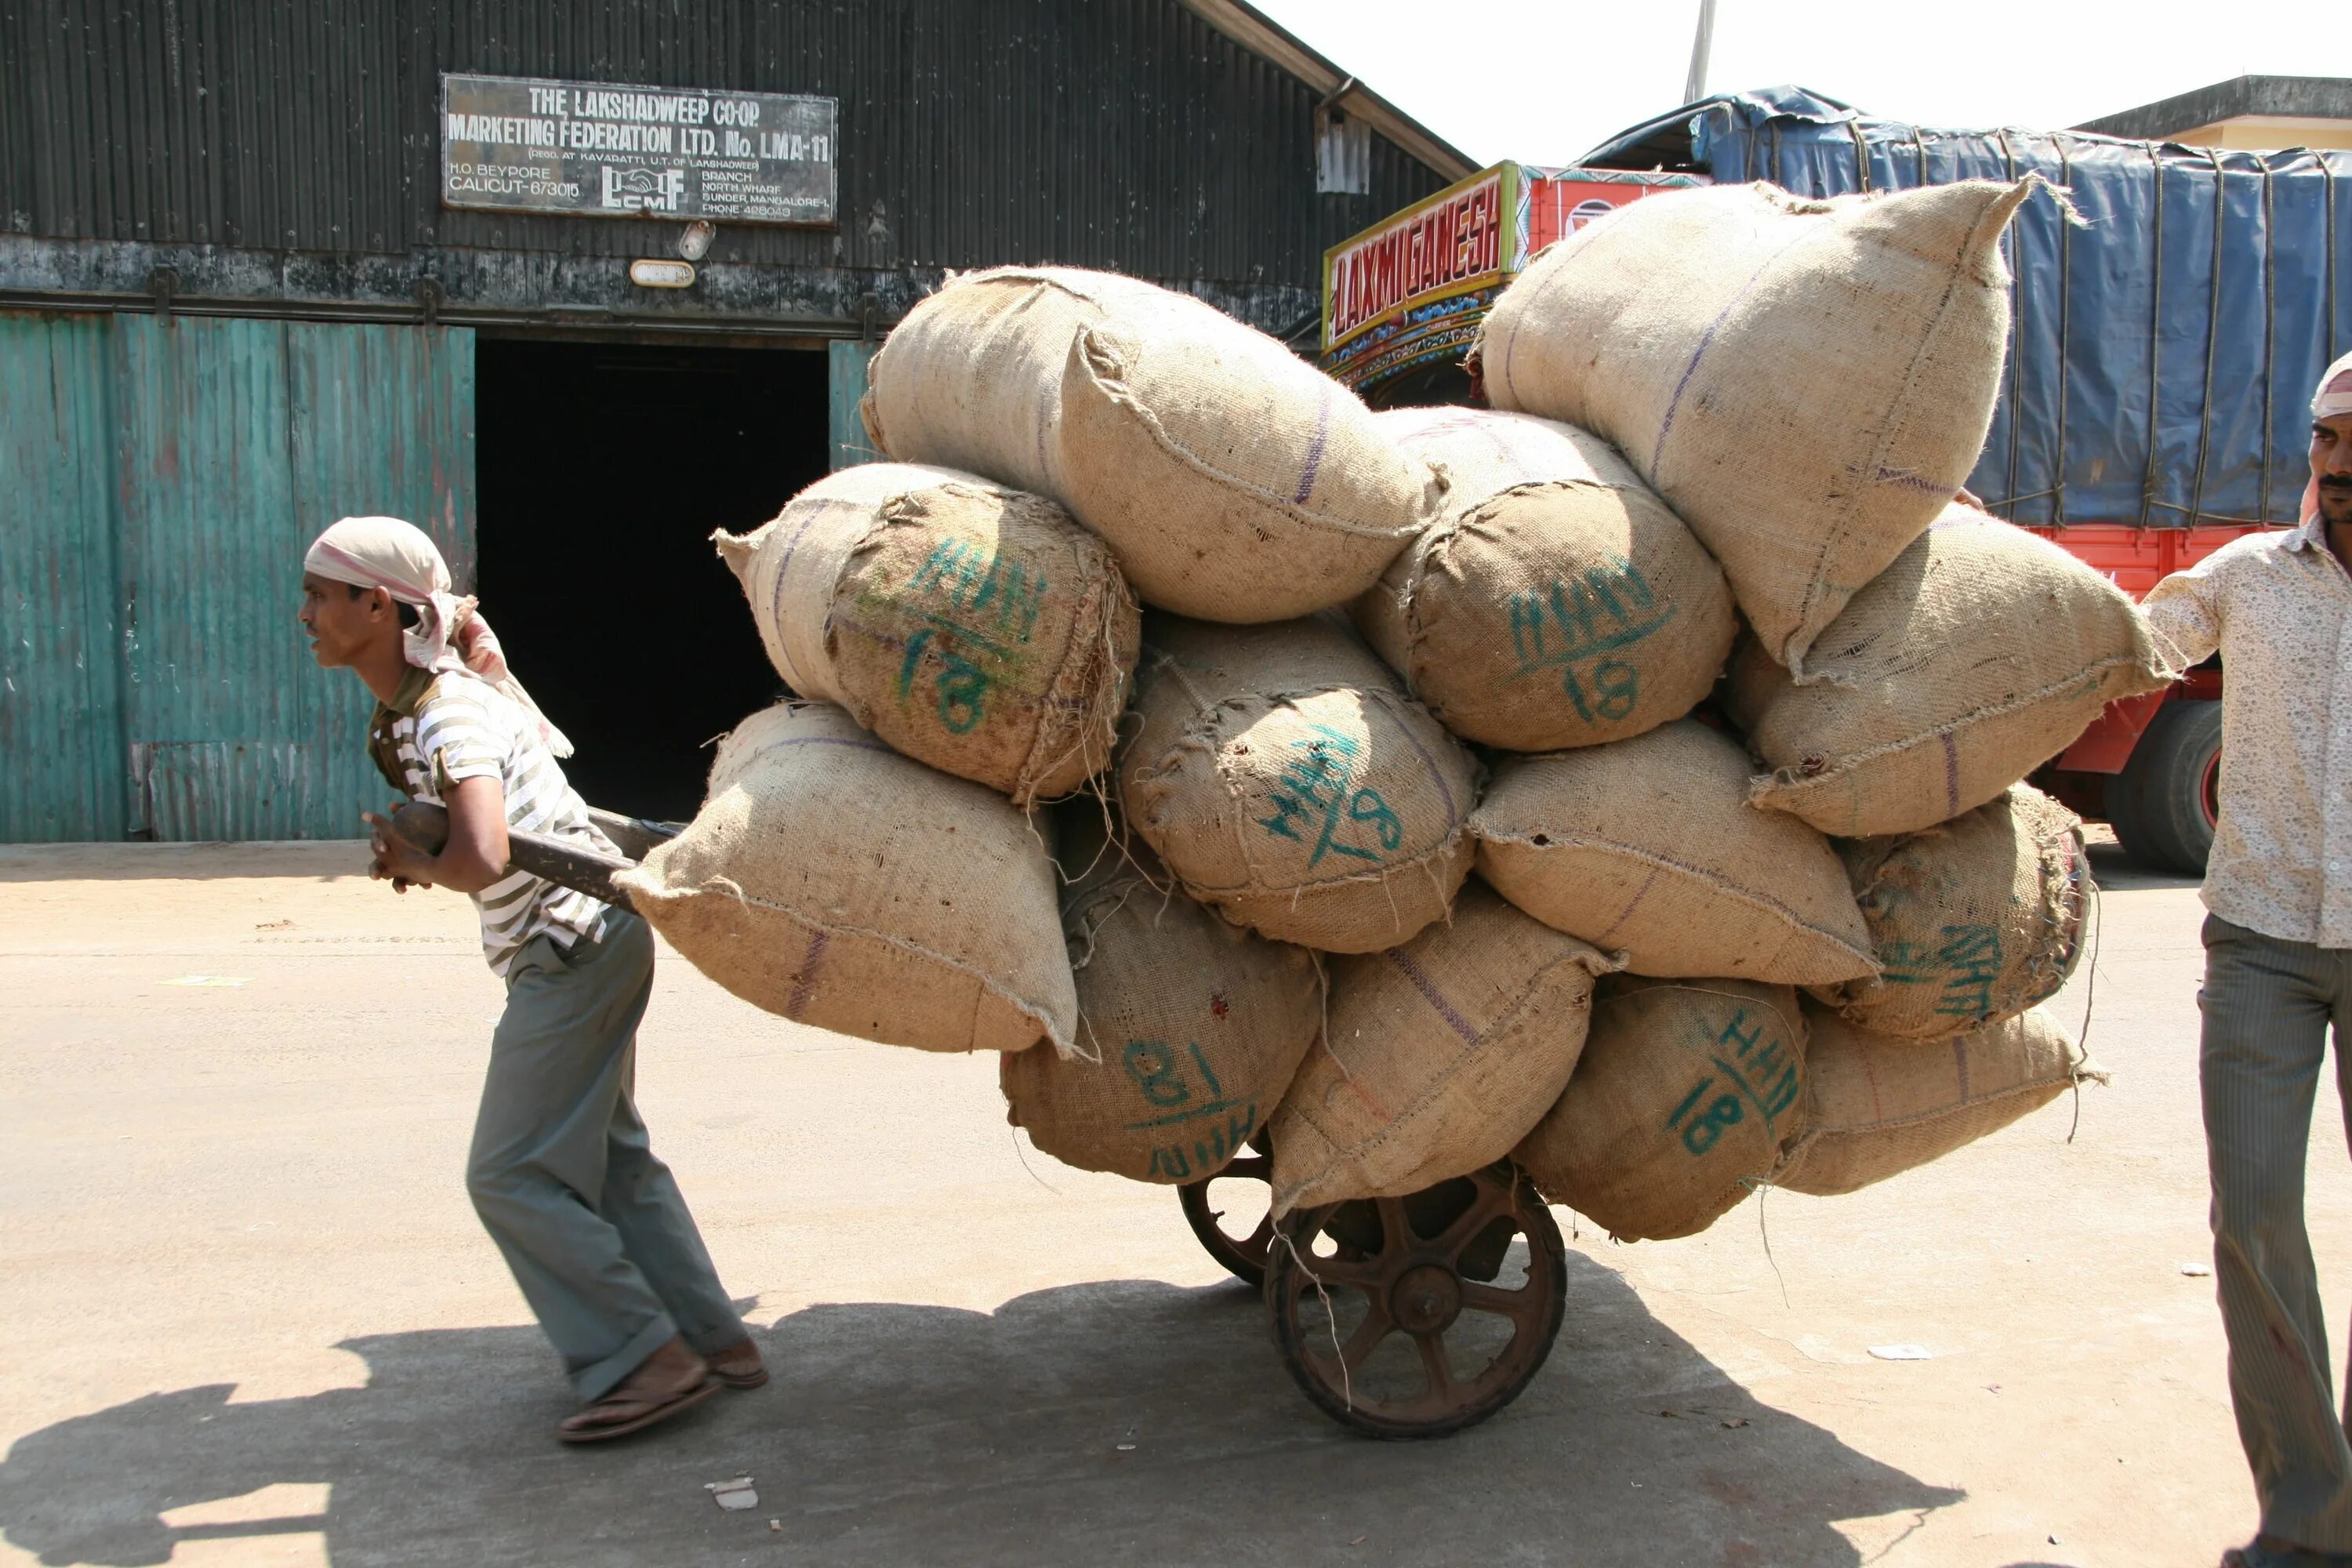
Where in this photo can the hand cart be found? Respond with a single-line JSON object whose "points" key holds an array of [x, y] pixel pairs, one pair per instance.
{"points": [[1400, 1318]]}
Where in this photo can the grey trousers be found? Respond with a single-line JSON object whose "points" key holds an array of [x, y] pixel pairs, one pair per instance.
{"points": [[562, 1175], [2268, 1006]]}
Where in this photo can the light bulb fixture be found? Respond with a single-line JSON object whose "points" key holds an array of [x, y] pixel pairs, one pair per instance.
{"points": [[654, 272]]}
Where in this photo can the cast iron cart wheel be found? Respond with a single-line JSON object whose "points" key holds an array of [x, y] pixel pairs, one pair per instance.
{"points": [[1416, 1317], [1243, 1257]]}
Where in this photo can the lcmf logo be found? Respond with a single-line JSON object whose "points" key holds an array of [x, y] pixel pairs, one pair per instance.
{"points": [[643, 190]]}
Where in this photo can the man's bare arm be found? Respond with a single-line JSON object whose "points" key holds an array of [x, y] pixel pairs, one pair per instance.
{"points": [[476, 854]]}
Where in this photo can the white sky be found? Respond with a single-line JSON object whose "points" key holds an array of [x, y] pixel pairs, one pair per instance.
{"points": [[1543, 80]]}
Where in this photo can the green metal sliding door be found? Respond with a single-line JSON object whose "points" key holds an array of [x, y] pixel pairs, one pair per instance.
{"points": [[844, 364], [220, 448], [61, 746]]}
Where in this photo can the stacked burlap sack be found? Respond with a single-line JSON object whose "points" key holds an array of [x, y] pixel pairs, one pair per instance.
{"points": [[864, 859], [1426, 802], [1840, 957], [961, 633]]}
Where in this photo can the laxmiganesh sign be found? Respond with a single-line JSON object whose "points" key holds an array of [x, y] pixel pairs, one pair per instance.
{"points": [[1412, 288]]}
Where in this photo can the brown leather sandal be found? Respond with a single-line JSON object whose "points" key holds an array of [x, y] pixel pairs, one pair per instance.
{"points": [[739, 1365], [671, 1380]]}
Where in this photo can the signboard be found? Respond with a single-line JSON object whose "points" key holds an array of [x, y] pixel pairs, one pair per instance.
{"points": [[601, 149], [1411, 289], [1449, 244]]}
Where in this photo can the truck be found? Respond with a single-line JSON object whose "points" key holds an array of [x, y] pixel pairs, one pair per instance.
{"points": [[2171, 309]]}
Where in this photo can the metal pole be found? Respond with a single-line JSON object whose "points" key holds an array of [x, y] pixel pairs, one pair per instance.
{"points": [[1696, 88]]}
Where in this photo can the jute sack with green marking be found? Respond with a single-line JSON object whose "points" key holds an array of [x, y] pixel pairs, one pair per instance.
{"points": [[1648, 847], [1234, 480], [1556, 602], [1286, 779], [833, 881], [1806, 383], [1190, 1027], [973, 627], [1876, 1107], [1974, 921], [1688, 1093], [1442, 1053], [1979, 656]]}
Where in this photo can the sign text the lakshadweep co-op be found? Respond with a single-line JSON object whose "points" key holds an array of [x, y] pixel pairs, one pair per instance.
{"points": [[597, 149]]}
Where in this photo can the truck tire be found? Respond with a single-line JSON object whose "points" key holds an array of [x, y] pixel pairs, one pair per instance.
{"points": [[2120, 808], [2163, 805]]}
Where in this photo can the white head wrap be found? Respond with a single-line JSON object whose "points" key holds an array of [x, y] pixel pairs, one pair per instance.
{"points": [[450, 633], [2333, 399], [2334, 395]]}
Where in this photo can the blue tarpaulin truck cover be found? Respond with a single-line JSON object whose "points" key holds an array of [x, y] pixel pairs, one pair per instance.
{"points": [[2161, 355]]}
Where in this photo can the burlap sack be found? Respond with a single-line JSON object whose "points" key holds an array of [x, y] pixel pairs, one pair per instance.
{"points": [[1806, 383], [1190, 1027], [1648, 847], [1876, 1108], [1979, 654], [1975, 921], [1285, 779], [1687, 1094], [1234, 480], [834, 882], [1443, 1053], [974, 628], [1556, 602]]}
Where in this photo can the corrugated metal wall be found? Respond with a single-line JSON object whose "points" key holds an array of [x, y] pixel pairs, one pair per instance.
{"points": [[61, 746], [156, 681], [1120, 133]]}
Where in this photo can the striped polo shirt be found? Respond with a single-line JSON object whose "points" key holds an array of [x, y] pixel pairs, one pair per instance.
{"points": [[439, 730]]}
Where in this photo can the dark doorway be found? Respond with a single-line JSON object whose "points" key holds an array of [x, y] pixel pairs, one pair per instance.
{"points": [[601, 471]]}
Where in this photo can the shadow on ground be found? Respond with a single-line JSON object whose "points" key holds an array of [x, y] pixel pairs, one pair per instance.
{"points": [[2118, 872], [903, 1434]]}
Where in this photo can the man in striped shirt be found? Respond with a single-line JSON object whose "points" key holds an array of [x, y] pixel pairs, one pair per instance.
{"points": [[591, 1225]]}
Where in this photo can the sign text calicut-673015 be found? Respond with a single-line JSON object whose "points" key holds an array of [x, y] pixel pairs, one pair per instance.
{"points": [[600, 150]]}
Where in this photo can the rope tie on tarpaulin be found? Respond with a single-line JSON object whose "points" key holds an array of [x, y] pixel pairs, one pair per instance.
{"points": [[2213, 342]]}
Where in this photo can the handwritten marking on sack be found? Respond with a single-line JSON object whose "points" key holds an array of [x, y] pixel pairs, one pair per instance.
{"points": [[974, 601], [1158, 1073], [1574, 625], [957, 572], [1752, 1068], [1317, 790], [1965, 967]]}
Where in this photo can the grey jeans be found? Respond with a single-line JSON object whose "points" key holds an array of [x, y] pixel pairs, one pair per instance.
{"points": [[2268, 1006], [563, 1178]]}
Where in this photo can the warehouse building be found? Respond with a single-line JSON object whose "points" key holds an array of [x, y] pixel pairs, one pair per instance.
{"points": [[570, 285]]}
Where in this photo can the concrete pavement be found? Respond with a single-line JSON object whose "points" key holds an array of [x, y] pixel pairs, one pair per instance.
{"points": [[252, 1318]]}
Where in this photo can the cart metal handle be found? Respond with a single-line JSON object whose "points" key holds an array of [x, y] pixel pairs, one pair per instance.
{"points": [[558, 860]]}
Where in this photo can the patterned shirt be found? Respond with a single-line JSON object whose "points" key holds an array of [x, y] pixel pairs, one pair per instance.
{"points": [[437, 730], [2278, 607]]}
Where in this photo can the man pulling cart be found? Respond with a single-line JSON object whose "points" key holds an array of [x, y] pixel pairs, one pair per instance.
{"points": [[561, 1173]]}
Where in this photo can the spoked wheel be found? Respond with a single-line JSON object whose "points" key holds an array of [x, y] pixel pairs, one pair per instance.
{"points": [[1418, 1316], [1241, 1192]]}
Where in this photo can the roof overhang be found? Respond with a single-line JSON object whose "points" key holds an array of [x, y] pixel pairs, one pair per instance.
{"points": [[2285, 97], [1260, 34]]}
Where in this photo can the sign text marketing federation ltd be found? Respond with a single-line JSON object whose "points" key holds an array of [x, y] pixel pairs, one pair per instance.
{"points": [[603, 149]]}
